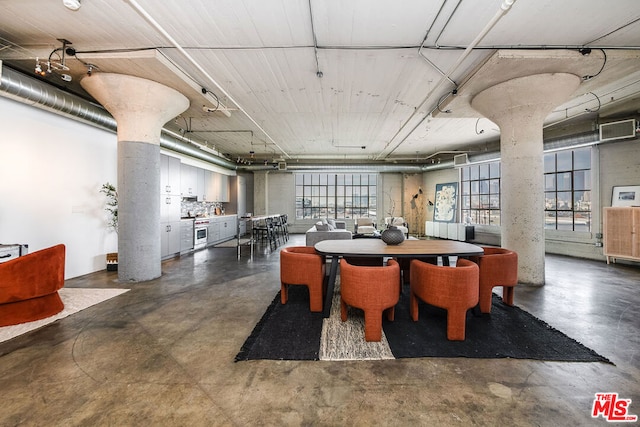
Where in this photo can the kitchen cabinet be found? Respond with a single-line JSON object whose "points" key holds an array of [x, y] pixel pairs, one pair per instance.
{"points": [[200, 184], [169, 239], [186, 235], [211, 192], [213, 231], [621, 233], [169, 175], [223, 185], [222, 228], [228, 228], [188, 180], [170, 207], [217, 187]]}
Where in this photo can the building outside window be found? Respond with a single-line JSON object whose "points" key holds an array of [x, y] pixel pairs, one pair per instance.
{"points": [[567, 185], [335, 195], [480, 193]]}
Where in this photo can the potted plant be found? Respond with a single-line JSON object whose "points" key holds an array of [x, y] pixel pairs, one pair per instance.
{"points": [[111, 206]]}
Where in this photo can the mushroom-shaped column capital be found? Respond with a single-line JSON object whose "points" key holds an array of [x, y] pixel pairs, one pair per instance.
{"points": [[140, 106]]}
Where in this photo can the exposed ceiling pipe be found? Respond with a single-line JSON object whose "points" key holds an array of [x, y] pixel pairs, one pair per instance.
{"points": [[33, 92], [504, 8], [421, 55], [353, 167], [134, 4]]}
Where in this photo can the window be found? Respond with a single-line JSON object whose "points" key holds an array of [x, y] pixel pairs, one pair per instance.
{"points": [[567, 186], [480, 193], [344, 195]]}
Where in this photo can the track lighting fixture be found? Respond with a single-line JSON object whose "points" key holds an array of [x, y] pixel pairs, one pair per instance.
{"points": [[72, 4], [57, 65], [38, 69]]}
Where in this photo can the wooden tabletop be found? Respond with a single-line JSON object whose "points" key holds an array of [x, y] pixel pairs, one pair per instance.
{"points": [[408, 248]]}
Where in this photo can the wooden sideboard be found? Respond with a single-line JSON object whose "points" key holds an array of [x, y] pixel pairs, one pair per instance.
{"points": [[621, 229]]}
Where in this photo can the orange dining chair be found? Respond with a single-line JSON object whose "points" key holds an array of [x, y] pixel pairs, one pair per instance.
{"points": [[453, 288], [374, 289], [302, 265], [498, 267]]}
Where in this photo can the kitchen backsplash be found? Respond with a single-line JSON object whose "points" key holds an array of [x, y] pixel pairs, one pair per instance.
{"points": [[194, 209]]}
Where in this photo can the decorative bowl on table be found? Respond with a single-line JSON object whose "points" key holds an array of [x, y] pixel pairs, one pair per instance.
{"points": [[392, 235]]}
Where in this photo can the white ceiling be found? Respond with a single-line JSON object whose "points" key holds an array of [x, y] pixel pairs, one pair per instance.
{"points": [[383, 66]]}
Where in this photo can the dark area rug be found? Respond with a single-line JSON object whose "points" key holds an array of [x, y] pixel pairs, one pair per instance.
{"points": [[292, 332], [285, 332], [506, 332]]}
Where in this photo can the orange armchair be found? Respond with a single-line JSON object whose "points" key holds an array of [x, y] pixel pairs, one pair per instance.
{"points": [[498, 267], [29, 286], [453, 288], [302, 265], [374, 290]]}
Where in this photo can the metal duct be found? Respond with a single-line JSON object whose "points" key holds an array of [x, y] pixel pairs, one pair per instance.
{"points": [[33, 92], [588, 138], [551, 144], [353, 167]]}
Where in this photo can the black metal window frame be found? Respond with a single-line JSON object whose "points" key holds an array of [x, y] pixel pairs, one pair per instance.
{"points": [[480, 193], [568, 190], [335, 195]]}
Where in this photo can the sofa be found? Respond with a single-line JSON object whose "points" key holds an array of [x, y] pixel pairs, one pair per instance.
{"points": [[29, 286], [327, 230]]}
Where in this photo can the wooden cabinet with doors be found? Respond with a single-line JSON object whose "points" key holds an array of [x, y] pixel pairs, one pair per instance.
{"points": [[621, 233]]}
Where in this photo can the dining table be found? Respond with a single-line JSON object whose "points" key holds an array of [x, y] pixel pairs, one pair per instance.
{"points": [[250, 220], [336, 249]]}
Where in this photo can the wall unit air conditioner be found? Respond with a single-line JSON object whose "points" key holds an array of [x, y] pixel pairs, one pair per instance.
{"points": [[282, 166], [618, 130], [460, 160]]}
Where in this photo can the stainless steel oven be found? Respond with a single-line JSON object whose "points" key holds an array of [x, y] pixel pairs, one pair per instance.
{"points": [[200, 232]]}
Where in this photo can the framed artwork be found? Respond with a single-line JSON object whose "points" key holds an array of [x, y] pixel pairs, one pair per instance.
{"points": [[626, 195], [445, 204]]}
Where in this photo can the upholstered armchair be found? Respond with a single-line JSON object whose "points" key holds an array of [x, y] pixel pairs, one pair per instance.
{"points": [[375, 290], [453, 288], [302, 265], [399, 222], [498, 267], [365, 226], [29, 286]]}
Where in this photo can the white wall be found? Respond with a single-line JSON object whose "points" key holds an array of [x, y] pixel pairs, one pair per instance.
{"points": [[51, 171]]}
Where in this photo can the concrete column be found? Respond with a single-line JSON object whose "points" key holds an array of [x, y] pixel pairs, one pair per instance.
{"points": [[140, 107], [260, 192], [519, 107]]}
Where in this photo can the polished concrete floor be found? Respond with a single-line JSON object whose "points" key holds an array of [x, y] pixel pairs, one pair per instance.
{"points": [[162, 355]]}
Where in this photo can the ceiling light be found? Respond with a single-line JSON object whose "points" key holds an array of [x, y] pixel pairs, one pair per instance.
{"points": [[38, 69], [71, 4]]}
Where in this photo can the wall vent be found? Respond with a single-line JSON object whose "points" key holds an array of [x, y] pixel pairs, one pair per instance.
{"points": [[460, 160], [618, 130], [282, 166]]}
